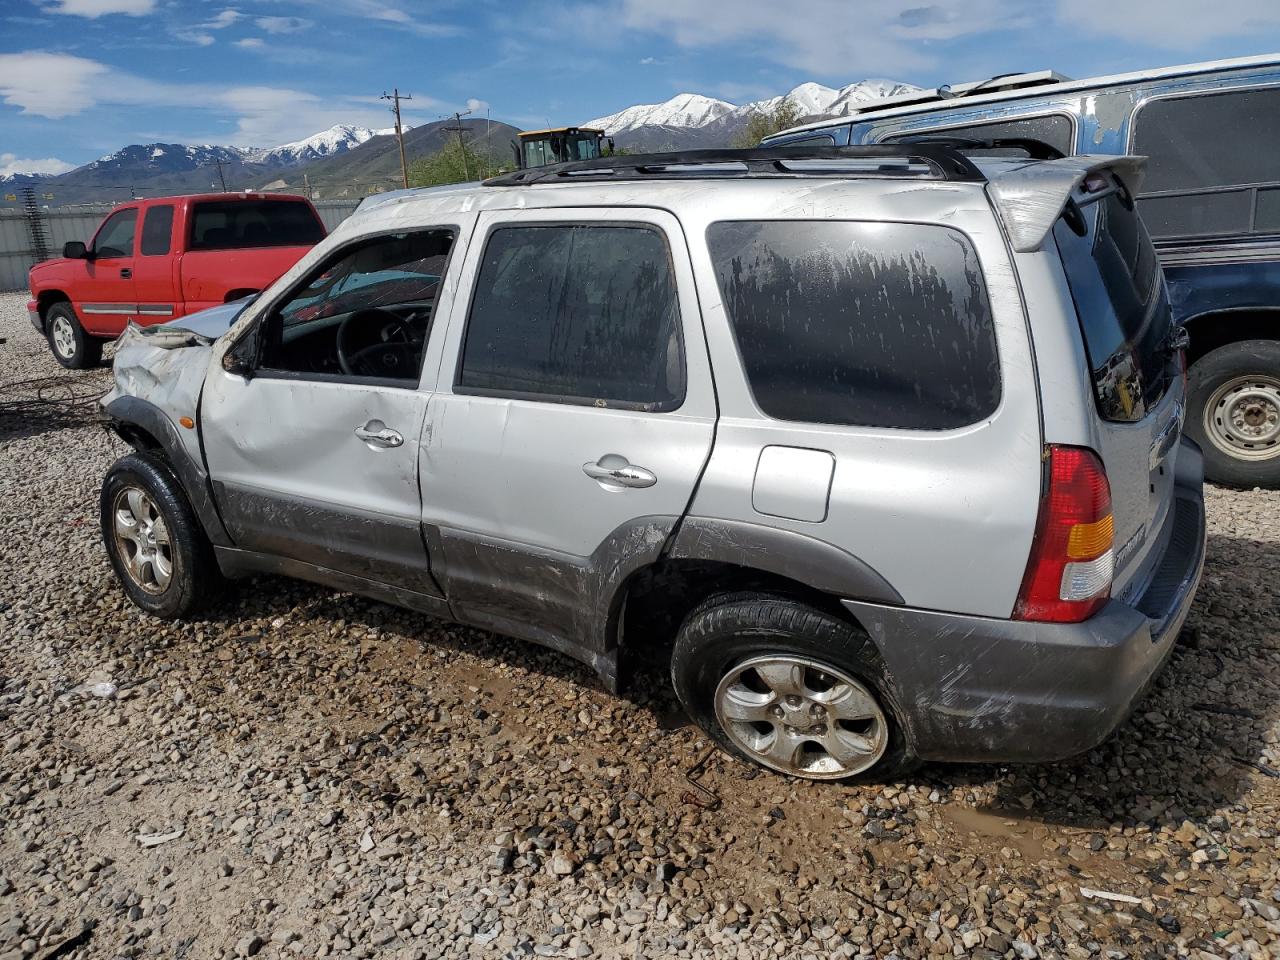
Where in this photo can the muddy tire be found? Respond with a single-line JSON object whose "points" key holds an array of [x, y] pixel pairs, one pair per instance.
{"points": [[156, 545], [70, 345], [789, 687], [1233, 412]]}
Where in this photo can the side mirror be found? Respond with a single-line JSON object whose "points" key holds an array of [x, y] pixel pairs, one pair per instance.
{"points": [[241, 355], [75, 250]]}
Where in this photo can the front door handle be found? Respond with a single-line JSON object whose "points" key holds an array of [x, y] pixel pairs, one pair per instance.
{"points": [[378, 434], [126, 273], [613, 470]]}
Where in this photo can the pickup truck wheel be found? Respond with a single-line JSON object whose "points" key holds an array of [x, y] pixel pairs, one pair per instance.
{"points": [[1233, 399], [71, 346], [789, 687], [159, 551]]}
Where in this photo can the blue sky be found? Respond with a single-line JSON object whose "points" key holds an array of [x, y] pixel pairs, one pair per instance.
{"points": [[80, 78]]}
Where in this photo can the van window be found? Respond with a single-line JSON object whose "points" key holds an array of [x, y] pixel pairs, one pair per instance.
{"points": [[237, 224], [1121, 304], [1200, 144], [1053, 129], [873, 324], [576, 313]]}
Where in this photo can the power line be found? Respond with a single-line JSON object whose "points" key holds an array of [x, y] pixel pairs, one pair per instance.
{"points": [[395, 97]]}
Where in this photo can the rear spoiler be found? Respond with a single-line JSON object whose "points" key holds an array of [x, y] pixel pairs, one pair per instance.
{"points": [[1031, 198]]}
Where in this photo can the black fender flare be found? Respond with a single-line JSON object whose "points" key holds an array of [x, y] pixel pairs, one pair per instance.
{"points": [[147, 417], [797, 556]]}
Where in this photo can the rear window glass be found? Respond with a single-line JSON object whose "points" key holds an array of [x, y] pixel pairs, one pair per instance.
{"points": [[236, 224], [1055, 130], [874, 324], [1120, 299], [576, 313]]}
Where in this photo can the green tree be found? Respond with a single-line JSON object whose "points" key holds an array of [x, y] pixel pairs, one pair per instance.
{"points": [[765, 122], [454, 163]]}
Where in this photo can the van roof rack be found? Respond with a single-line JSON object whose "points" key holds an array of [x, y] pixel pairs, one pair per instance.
{"points": [[938, 161], [1035, 149]]}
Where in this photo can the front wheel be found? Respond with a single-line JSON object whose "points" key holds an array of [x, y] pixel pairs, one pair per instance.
{"points": [[71, 345], [1233, 396], [159, 551], [789, 687]]}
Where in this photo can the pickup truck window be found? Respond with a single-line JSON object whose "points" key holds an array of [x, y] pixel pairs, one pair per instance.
{"points": [[576, 313], [157, 230], [115, 238], [364, 314], [237, 224], [870, 324]]}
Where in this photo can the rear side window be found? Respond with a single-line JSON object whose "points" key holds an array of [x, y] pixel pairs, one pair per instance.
{"points": [[1054, 129], [237, 224], [873, 324], [1120, 299], [576, 313], [157, 229], [1200, 147]]}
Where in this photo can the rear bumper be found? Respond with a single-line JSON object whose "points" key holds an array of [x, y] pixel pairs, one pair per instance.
{"points": [[33, 311], [976, 688]]}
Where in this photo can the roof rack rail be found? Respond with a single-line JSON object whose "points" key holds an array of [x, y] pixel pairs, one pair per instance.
{"points": [[1035, 149], [941, 160], [1002, 83]]}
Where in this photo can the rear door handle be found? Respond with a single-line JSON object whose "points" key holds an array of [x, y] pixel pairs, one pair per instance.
{"points": [[378, 434], [613, 470]]}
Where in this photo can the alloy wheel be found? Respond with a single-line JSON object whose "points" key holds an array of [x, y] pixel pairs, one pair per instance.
{"points": [[142, 540]]}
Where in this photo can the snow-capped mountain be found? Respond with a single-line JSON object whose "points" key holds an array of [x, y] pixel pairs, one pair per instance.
{"points": [[166, 158], [339, 138], [692, 120], [682, 110]]}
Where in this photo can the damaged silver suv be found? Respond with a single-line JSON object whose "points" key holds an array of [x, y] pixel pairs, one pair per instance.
{"points": [[884, 442]]}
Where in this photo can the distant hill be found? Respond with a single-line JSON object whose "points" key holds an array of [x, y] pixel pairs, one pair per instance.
{"points": [[375, 164]]}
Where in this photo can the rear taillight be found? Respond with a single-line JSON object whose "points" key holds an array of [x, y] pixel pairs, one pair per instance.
{"points": [[1068, 576]]}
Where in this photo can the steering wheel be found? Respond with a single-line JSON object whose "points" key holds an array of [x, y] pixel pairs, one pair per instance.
{"points": [[385, 357]]}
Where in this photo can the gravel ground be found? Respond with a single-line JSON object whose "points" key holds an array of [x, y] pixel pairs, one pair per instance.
{"points": [[314, 774]]}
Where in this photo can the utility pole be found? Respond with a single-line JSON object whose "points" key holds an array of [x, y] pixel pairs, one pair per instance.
{"points": [[395, 97], [221, 178], [462, 144]]}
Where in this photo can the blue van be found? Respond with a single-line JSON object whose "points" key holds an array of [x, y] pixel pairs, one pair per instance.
{"points": [[1210, 200]]}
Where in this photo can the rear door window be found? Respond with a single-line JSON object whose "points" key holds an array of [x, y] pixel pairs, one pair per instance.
{"points": [[576, 313], [873, 324], [1207, 155], [237, 224], [1120, 299], [157, 230]]}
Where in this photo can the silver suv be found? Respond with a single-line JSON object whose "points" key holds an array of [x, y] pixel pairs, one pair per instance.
{"points": [[885, 442]]}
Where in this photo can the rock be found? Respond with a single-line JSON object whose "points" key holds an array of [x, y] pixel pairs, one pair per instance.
{"points": [[248, 946], [562, 865]]}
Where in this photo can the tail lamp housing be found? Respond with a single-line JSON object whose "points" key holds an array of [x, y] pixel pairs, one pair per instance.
{"points": [[1072, 562]]}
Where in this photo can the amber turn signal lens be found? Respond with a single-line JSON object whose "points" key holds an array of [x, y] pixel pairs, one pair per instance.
{"points": [[187, 422]]}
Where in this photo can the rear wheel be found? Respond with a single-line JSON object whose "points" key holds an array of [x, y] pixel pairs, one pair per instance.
{"points": [[1234, 413], [71, 346], [789, 687]]}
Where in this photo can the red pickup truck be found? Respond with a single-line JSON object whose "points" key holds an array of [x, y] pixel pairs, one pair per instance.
{"points": [[154, 260]]}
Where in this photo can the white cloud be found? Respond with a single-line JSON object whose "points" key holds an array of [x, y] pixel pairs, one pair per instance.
{"points": [[100, 8], [282, 24], [195, 36], [51, 85], [251, 43], [11, 164], [391, 13], [1172, 24], [477, 106], [830, 39], [224, 19]]}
